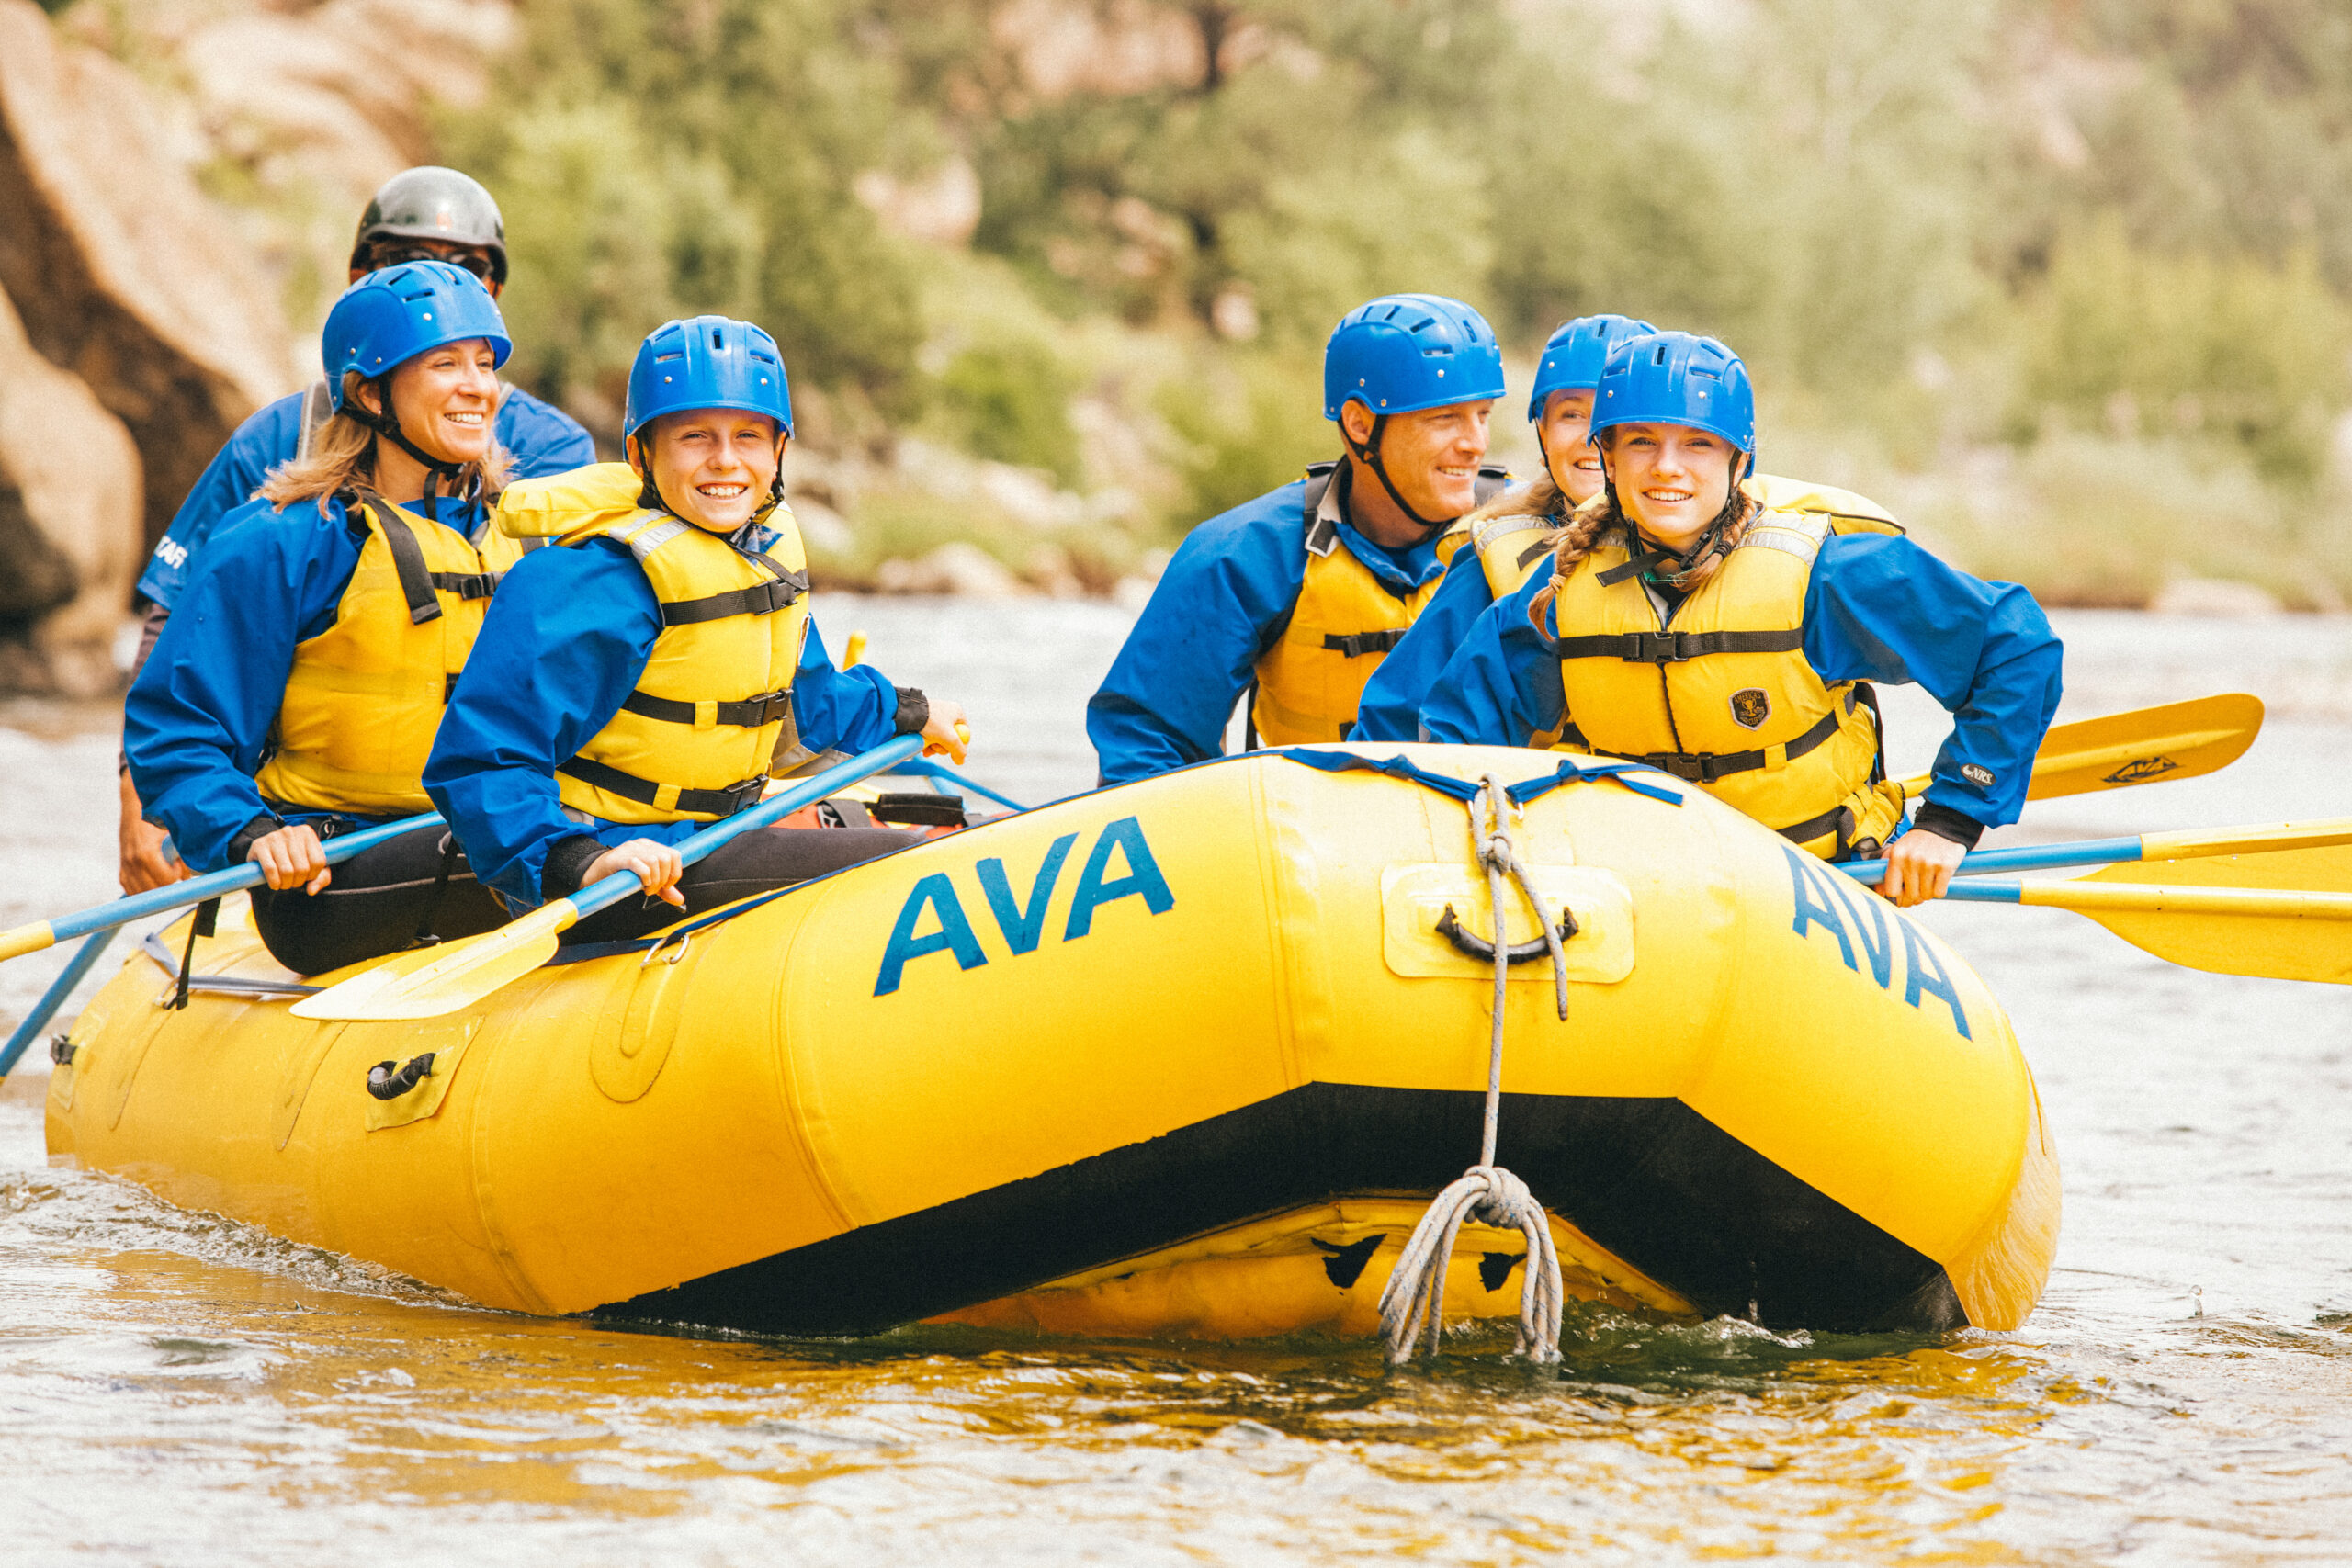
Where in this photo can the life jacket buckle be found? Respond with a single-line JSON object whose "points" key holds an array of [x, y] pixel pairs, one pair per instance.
{"points": [[1655, 648]]}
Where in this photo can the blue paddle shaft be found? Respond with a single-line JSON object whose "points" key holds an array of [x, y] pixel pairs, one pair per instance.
{"points": [[1984, 893], [54, 998], [2034, 857], [608, 891], [921, 768], [237, 878]]}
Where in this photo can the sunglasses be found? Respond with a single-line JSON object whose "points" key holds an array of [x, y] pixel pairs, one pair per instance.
{"points": [[475, 262]]}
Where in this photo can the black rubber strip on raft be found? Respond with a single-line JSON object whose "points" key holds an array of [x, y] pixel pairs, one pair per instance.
{"points": [[1651, 1179]]}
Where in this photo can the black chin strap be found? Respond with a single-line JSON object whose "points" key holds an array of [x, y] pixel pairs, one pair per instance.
{"points": [[1647, 564], [387, 425], [1369, 455]]}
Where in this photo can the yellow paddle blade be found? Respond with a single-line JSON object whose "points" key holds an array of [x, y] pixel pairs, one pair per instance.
{"points": [[2285, 914], [441, 980], [33, 938], [2253, 839], [2178, 740]]}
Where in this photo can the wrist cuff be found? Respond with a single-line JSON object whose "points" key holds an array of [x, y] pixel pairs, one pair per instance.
{"points": [[241, 846], [568, 862], [914, 712], [1946, 823]]}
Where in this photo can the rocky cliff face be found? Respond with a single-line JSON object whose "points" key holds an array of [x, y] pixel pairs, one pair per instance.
{"points": [[139, 306]]}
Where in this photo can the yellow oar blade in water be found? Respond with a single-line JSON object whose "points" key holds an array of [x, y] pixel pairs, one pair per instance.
{"points": [[2178, 740], [444, 979]]}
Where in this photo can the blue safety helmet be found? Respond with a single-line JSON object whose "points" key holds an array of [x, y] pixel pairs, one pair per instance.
{"points": [[1678, 378], [706, 362], [1403, 352], [389, 317], [1574, 354]]}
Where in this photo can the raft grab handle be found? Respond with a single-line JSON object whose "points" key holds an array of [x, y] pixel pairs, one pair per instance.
{"points": [[387, 1080], [1471, 944]]}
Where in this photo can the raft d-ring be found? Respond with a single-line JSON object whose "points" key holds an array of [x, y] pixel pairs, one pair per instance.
{"points": [[685, 940], [1475, 946]]}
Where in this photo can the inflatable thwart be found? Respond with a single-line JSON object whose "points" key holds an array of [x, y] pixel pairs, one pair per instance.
{"points": [[1185, 1058]]}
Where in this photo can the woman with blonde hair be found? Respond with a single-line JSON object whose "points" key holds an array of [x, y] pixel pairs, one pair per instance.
{"points": [[1510, 534], [295, 691], [1730, 640]]}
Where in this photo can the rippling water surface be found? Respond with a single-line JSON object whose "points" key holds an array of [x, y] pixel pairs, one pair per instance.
{"points": [[176, 1389]]}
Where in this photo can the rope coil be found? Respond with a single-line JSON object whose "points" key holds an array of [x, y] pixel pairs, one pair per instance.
{"points": [[1412, 1308]]}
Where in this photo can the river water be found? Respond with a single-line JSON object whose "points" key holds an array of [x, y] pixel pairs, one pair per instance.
{"points": [[177, 1389]]}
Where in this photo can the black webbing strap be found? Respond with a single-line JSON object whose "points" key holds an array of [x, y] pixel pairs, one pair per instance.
{"points": [[645, 791], [750, 713], [1357, 644], [765, 599], [1673, 648], [1837, 820], [1706, 767], [1538, 550], [467, 585], [408, 558]]}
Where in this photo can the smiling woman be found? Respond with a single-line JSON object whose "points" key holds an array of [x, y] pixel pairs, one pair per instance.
{"points": [[647, 679], [296, 696], [1763, 608]]}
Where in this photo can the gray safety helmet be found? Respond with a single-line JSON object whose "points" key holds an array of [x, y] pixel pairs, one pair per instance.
{"points": [[433, 203]]}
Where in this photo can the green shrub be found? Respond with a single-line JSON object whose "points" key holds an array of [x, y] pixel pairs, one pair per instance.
{"points": [[1009, 401], [2190, 346]]}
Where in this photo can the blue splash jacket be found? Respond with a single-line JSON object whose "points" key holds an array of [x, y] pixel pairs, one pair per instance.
{"points": [[542, 438], [1878, 608], [566, 639], [1216, 610], [198, 716]]}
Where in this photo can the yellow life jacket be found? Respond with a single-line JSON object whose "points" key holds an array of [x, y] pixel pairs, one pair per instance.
{"points": [[1722, 695], [364, 696], [1311, 681], [713, 707]]}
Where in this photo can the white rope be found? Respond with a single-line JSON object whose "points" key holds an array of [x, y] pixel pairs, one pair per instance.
{"points": [[1413, 1306]]}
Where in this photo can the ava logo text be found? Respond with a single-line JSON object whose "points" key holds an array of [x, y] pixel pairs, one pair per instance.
{"points": [[935, 903]]}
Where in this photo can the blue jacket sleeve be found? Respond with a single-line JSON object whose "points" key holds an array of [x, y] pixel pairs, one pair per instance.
{"points": [[840, 710], [1502, 685], [1881, 608], [1392, 699], [1166, 701], [567, 636], [201, 712], [541, 437], [228, 482]]}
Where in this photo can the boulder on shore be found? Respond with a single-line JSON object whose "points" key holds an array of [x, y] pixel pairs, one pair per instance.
{"points": [[69, 524], [121, 270]]}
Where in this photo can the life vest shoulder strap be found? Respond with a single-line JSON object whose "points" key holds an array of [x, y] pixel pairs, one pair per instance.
{"points": [[318, 407], [1323, 533], [648, 532], [420, 584]]}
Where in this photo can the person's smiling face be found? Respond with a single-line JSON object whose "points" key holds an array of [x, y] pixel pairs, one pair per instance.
{"points": [[1565, 426], [715, 466], [1672, 479], [446, 400]]}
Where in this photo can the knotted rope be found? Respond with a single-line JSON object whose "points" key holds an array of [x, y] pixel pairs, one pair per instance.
{"points": [[1414, 1302]]}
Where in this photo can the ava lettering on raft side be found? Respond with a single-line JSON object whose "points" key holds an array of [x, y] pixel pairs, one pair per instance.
{"points": [[1831, 902], [1022, 926]]}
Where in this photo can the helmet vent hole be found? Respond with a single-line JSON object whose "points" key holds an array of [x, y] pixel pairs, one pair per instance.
{"points": [[717, 346]]}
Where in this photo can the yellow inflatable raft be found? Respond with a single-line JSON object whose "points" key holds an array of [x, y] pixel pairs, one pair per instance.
{"points": [[1185, 1058]]}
